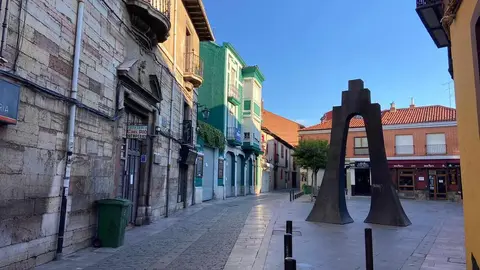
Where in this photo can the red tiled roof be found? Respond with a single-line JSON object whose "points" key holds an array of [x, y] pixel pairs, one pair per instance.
{"points": [[401, 116], [281, 126]]}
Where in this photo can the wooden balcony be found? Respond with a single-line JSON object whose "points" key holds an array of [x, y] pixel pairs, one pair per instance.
{"points": [[151, 20]]}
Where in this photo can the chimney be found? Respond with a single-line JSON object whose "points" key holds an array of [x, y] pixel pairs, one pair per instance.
{"points": [[412, 103], [392, 107]]}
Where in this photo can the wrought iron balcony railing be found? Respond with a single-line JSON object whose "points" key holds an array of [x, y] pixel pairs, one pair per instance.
{"points": [[404, 149], [436, 149], [193, 64], [150, 20], [187, 132], [421, 3], [234, 134]]}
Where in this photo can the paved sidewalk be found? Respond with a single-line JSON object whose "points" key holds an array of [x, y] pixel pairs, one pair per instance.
{"points": [[200, 237], [434, 241]]}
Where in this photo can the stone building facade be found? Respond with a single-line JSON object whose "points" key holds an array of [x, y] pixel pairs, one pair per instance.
{"points": [[127, 85]]}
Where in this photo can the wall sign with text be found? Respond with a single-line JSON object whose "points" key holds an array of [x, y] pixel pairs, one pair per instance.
{"points": [[9, 101]]}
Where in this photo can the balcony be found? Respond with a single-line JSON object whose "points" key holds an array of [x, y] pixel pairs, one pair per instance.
{"points": [[188, 155], [151, 20], [251, 142], [401, 150], [360, 151], [193, 69], [431, 12], [436, 149], [234, 136], [233, 94], [187, 132]]}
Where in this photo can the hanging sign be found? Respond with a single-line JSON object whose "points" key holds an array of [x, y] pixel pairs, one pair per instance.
{"points": [[9, 100], [137, 132]]}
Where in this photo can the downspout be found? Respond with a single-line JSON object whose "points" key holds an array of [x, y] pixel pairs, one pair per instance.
{"points": [[71, 128], [171, 105]]}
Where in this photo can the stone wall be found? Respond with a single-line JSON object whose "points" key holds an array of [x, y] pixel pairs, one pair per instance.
{"points": [[32, 163]]}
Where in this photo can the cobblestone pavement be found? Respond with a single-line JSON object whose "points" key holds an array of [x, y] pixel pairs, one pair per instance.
{"points": [[201, 240]]}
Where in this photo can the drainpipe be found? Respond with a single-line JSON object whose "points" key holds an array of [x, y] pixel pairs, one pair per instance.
{"points": [[71, 128], [4, 25], [171, 105]]}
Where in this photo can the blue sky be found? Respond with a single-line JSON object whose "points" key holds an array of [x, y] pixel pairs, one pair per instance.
{"points": [[309, 49]]}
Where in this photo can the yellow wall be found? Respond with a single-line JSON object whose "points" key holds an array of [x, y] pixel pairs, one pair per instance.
{"points": [[465, 66], [180, 22]]}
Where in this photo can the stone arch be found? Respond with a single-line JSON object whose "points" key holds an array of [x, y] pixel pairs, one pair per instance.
{"points": [[330, 205]]}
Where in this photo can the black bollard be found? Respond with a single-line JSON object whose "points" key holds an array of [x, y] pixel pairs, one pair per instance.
{"points": [[290, 264], [290, 195], [368, 249], [289, 227], [287, 245]]}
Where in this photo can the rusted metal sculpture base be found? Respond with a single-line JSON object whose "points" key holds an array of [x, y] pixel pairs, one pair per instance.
{"points": [[330, 205]]}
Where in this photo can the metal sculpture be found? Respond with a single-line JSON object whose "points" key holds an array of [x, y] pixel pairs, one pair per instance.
{"points": [[330, 205]]}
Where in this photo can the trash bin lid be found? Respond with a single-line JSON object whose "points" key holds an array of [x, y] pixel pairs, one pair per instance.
{"points": [[123, 202]]}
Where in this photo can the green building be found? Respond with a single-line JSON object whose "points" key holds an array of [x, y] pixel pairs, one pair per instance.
{"points": [[232, 92]]}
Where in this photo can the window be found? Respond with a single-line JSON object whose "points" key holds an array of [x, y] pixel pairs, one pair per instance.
{"points": [[406, 180], [281, 150], [360, 146], [188, 51], [404, 145], [436, 144]]}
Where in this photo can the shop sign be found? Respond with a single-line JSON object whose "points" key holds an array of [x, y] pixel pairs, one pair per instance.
{"points": [[9, 100], [137, 132], [362, 164]]}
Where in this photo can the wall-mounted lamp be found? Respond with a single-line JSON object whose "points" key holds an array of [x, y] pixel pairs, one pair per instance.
{"points": [[205, 111]]}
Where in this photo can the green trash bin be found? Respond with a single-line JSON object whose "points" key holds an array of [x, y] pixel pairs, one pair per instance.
{"points": [[112, 220]]}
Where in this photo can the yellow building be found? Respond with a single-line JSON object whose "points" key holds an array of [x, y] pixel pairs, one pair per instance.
{"points": [[455, 24], [189, 26]]}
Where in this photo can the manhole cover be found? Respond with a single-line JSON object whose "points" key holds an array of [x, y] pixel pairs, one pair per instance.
{"points": [[281, 232]]}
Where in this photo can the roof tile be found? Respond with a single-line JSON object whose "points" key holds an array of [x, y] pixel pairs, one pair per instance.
{"points": [[401, 116], [281, 126]]}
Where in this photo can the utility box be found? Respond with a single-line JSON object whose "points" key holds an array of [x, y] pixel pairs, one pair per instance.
{"points": [[112, 220]]}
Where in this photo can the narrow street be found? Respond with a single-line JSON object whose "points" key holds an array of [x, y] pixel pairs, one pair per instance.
{"points": [[201, 237]]}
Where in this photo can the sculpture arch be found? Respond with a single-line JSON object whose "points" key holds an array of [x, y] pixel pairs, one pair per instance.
{"points": [[330, 205]]}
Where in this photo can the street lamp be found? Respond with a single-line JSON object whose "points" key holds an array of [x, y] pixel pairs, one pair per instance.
{"points": [[205, 112]]}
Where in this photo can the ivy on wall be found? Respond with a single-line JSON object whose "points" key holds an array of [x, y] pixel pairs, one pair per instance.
{"points": [[211, 136]]}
